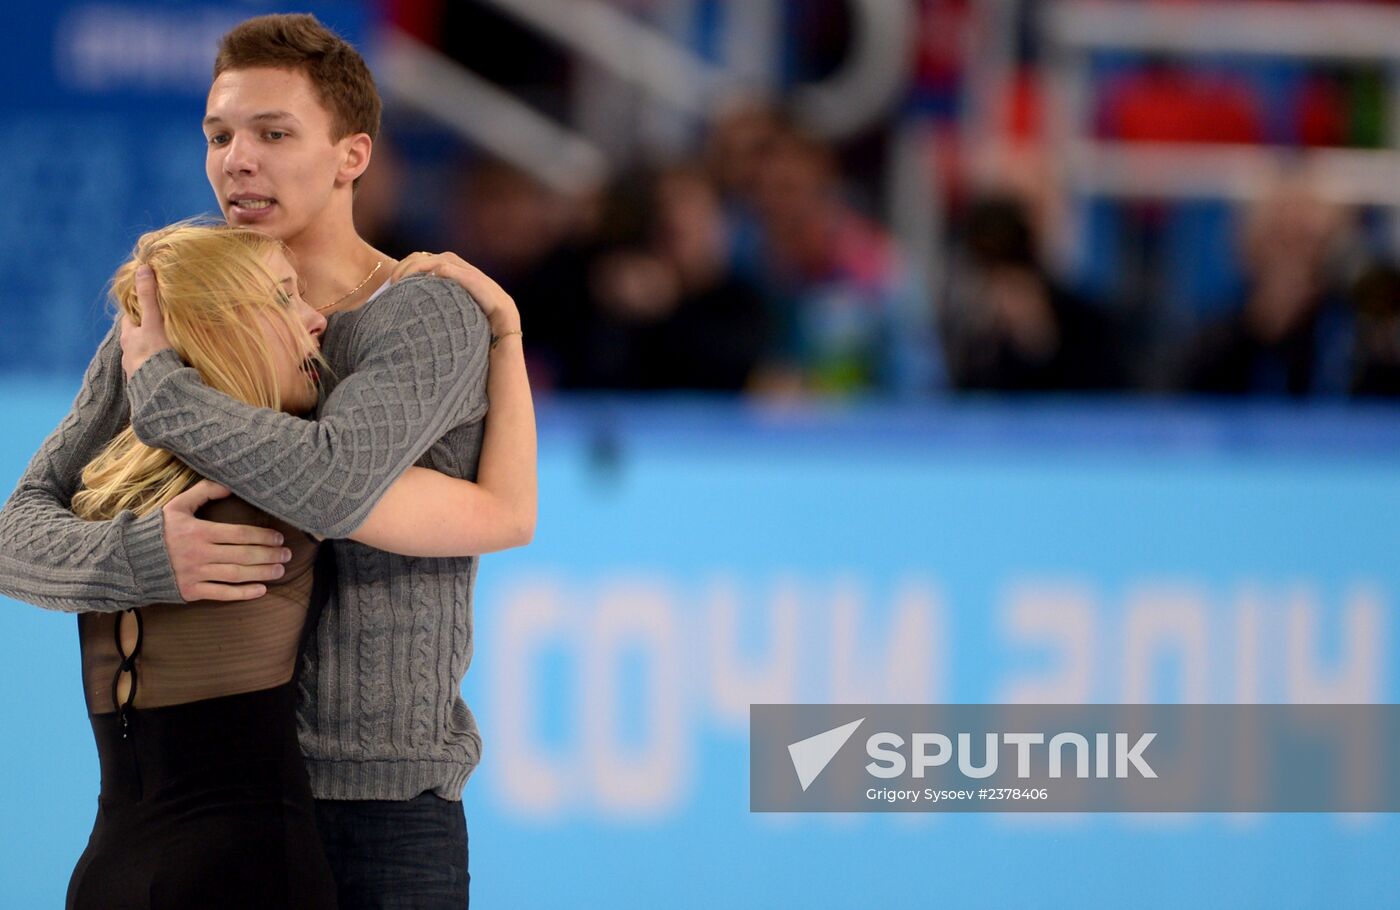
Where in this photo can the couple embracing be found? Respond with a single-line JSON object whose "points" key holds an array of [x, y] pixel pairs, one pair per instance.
{"points": [[266, 507]]}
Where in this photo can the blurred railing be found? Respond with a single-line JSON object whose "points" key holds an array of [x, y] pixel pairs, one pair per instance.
{"points": [[664, 71], [1319, 32]]}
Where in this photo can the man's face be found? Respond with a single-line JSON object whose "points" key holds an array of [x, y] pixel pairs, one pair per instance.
{"points": [[270, 158]]}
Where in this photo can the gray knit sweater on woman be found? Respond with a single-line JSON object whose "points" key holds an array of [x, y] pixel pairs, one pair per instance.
{"points": [[382, 716]]}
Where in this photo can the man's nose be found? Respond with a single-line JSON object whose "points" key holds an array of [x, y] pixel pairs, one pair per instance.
{"points": [[239, 157]]}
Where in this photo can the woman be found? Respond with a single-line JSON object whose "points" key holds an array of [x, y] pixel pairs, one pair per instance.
{"points": [[204, 799]]}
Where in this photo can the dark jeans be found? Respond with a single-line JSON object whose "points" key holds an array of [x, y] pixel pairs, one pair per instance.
{"points": [[389, 855]]}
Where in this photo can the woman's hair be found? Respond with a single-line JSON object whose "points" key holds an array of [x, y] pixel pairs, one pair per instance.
{"points": [[213, 281]]}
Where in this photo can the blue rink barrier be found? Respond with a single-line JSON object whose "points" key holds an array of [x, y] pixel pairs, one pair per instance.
{"points": [[693, 558]]}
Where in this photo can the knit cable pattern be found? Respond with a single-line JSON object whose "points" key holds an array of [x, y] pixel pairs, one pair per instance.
{"points": [[417, 368], [52, 558]]}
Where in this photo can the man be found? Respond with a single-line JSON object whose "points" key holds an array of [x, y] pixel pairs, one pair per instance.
{"points": [[291, 120]]}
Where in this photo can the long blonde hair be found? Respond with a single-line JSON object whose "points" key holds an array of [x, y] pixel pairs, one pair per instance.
{"points": [[213, 281]]}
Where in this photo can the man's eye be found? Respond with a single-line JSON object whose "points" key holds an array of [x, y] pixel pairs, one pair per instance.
{"points": [[276, 134], [218, 139]]}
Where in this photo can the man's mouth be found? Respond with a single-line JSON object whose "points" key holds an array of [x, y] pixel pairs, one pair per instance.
{"points": [[250, 204]]}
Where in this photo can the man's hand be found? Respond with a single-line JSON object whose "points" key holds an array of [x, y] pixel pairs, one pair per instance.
{"points": [[214, 560], [139, 342]]}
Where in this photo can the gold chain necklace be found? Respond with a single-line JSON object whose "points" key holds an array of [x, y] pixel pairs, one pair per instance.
{"points": [[356, 289]]}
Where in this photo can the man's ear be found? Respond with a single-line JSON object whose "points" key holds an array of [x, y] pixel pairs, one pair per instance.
{"points": [[357, 149]]}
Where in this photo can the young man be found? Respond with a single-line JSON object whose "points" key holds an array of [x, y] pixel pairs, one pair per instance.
{"points": [[291, 120]]}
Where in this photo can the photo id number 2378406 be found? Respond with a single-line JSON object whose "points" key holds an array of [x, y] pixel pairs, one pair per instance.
{"points": [[1013, 793]]}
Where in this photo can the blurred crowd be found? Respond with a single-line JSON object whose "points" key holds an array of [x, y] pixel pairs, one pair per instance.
{"points": [[754, 263], [742, 269], [748, 270]]}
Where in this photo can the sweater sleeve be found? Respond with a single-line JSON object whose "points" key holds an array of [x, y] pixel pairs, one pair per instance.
{"points": [[417, 369], [52, 558]]}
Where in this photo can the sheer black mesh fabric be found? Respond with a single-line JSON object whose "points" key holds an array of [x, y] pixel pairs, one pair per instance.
{"points": [[173, 654]]}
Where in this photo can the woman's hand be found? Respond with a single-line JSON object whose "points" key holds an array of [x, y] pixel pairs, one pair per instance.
{"points": [[141, 340], [498, 306]]}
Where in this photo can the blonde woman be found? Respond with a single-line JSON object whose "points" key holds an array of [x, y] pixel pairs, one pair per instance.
{"points": [[204, 797]]}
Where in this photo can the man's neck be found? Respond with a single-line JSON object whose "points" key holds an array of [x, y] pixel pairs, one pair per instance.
{"points": [[334, 261]]}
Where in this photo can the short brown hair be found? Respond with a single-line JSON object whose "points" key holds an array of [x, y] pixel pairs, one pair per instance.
{"points": [[298, 41]]}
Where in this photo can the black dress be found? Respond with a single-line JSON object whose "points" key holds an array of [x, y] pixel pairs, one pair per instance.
{"points": [[205, 801]]}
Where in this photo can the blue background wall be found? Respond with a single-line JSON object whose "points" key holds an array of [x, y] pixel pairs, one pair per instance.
{"points": [[693, 558], [100, 140]]}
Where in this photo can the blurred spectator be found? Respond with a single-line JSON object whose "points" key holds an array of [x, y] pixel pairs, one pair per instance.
{"points": [[714, 338], [1008, 326], [379, 204], [845, 314], [737, 144], [517, 231], [1293, 336], [1376, 369], [735, 148], [668, 312]]}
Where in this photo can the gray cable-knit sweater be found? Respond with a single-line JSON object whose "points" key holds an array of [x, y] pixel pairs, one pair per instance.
{"points": [[382, 716]]}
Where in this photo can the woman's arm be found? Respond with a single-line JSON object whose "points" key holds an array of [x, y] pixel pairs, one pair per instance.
{"points": [[425, 513]]}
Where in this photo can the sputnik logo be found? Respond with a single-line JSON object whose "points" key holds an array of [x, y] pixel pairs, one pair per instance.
{"points": [[810, 756]]}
